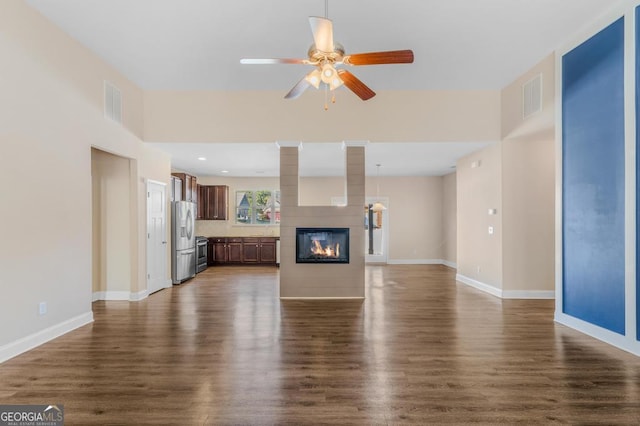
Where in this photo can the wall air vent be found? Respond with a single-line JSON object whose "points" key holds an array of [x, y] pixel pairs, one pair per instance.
{"points": [[532, 97], [112, 102]]}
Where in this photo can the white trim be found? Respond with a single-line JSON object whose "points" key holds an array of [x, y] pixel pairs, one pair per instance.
{"points": [[123, 295], [617, 340], [289, 144], [348, 144], [31, 341], [322, 298], [169, 283], [135, 297], [157, 182], [415, 262], [528, 294], [630, 174], [494, 291], [450, 264], [558, 189]]}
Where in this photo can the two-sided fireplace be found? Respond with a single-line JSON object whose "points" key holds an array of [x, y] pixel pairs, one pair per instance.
{"points": [[322, 245]]}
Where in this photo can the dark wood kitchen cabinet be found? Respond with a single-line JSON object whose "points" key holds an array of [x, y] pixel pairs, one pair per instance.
{"points": [[242, 250], [226, 250], [267, 254], [189, 187], [214, 202]]}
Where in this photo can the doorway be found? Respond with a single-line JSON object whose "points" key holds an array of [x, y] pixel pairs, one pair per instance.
{"points": [[377, 233], [113, 231]]}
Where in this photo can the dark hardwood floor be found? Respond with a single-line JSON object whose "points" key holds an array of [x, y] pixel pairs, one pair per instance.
{"points": [[421, 349]]}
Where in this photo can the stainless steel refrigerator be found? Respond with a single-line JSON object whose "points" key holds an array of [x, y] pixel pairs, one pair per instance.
{"points": [[183, 241]]}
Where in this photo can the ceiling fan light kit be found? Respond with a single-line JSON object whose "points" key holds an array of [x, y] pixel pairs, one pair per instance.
{"points": [[328, 57]]}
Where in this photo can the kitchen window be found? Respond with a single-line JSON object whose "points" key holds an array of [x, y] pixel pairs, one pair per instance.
{"points": [[258, 207]]}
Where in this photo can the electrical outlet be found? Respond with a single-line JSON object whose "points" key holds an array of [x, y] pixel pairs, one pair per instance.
{"points": [[478, 270], [42, 308], [491, 230]]}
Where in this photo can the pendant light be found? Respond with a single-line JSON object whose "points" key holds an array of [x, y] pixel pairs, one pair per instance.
{"points": [[378, 206]]}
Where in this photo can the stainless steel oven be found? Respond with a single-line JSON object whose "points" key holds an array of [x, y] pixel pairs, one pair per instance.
{"points": [[201, 253]]}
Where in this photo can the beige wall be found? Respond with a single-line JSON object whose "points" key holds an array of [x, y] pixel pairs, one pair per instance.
{"points": [[404, 116], [478, 190], [528, 182], [50, 118], [517, 177], [449, 219]]}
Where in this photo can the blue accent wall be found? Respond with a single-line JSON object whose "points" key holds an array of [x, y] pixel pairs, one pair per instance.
{"points": [[593, 180]]}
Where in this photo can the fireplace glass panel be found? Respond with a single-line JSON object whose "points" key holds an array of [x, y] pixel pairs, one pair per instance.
{"points": [[322, 245]]}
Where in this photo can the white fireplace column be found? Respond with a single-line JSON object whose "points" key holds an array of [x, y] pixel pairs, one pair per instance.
{"points": [[321, 280]]}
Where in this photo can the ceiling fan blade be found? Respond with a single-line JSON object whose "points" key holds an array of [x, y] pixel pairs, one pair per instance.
{"points": [[378, 58], [298, 89], [322, 29], [355, 85], [273, 61]]}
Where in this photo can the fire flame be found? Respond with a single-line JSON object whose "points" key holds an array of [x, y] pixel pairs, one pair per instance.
{"points": [[328, 251]]}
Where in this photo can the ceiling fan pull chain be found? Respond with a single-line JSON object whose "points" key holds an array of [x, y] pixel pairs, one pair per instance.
{"points": [[326, 97], [326, 9]]}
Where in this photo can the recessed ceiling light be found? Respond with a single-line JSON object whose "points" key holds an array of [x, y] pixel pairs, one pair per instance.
{"points": [[224, 171], [202, 158]]}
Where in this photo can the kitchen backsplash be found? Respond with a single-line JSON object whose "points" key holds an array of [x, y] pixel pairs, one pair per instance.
{"points": [[225, 228]]}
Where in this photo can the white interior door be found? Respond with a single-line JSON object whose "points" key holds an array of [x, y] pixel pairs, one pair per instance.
{"points": [[156, 236]]}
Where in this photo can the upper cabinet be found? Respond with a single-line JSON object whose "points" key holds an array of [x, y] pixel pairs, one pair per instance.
{"points": [[214, 202], [176, 189], [189, 187]]}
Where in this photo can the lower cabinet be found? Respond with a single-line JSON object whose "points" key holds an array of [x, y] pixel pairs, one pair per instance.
{"points": [[242, 250], [259, 250]]}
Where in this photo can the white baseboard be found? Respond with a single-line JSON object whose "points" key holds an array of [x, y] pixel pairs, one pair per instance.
{"points": [[626, 343], [168, 283], [506, 294], [529, 294], [415, 262], [450, 264], [119, 295], [135, 297], [479, 285], [27, 343], [321, 298]]}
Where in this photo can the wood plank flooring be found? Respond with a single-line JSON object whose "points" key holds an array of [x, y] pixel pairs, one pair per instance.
{"points": [[222, 349]]}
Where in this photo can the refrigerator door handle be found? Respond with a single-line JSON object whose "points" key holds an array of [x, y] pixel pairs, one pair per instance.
{"points": [[187, 252]]}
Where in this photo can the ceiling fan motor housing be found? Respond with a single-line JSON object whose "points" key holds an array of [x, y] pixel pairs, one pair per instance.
{"points": [[317, 56]]}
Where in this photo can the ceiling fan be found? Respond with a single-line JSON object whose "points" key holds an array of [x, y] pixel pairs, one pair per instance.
{"points": [[328, 57]]}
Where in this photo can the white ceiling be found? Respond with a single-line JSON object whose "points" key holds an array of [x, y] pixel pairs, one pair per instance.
{"points": [[197, 45]]}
